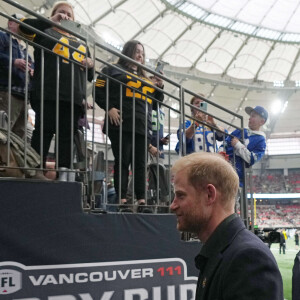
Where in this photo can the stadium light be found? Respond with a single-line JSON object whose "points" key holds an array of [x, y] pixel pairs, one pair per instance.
{"points": [[276, 107], [278, 83]]}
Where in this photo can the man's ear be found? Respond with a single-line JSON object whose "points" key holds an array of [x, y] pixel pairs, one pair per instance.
{"points": [[211, 194], [263, 121]]}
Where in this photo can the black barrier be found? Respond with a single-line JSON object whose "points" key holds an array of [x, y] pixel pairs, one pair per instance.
{"points": [[296, 278], [50, 249]]}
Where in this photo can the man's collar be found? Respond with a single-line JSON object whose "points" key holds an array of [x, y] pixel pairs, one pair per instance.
{"points": [[218, 239], [216, 242]]}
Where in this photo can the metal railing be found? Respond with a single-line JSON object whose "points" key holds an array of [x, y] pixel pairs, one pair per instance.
{"points": [[95, 169]]}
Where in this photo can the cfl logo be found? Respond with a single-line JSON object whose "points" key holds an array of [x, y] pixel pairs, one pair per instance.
{"points": [[10, 281]]}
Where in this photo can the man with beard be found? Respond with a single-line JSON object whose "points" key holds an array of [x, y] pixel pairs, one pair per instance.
{"points": [[233, 262]]}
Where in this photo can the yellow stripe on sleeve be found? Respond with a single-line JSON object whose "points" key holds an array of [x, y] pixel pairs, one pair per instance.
{"points": [[29, 37], [100, 83]]}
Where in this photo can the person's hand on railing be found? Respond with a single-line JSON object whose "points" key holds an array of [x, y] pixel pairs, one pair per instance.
{"points": [[114, 116], [88, 62], [153, 150], [234, 141], [157, 81]]}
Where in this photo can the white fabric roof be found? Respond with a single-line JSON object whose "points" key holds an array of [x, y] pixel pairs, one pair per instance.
{"points": [[190, 42], [251, 44], [272, 14]]}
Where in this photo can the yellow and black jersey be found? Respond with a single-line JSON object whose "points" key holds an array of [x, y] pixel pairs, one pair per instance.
{"points": [[135, 94], [58, 45]]}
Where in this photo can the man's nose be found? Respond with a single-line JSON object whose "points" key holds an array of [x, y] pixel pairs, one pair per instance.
{"points": [[174, 205]]}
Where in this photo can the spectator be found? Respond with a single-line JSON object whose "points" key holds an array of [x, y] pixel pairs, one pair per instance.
{"points": [[284, 234], [296, 239], [158, 129], [134, 50], [18, 78], [158, 185], [282, 243], [83, 125], [156, 155], [195, 131], [72, 61], [254, 145], [233, 262]]}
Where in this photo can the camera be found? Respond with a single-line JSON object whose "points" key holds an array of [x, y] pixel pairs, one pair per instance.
{"points": [[268, 236], [203, 106]]}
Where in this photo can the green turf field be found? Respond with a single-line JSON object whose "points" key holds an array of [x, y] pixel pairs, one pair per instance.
{"points": [[285, 263]]}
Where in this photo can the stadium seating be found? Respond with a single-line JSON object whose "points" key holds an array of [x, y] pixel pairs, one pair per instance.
{"points": [[276, 183], [278, 216]]}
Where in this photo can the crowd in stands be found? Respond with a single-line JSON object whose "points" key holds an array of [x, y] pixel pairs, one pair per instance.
{"points": [[278, 216], [291, 213], [276, 183]]}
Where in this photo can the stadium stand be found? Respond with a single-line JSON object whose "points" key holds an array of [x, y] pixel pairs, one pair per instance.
{"points": [[278, 216], [276, 183]]}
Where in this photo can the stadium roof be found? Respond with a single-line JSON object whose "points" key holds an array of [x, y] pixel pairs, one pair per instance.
{"points": [[238, 53], [254, 40]]}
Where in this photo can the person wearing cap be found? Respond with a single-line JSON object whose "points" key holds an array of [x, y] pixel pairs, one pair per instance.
{"points": [[254, 146], [18, 76]]}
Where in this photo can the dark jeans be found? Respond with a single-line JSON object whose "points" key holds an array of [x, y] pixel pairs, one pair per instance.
{"points": [[64, 135], [140, 162], [283, 248]]}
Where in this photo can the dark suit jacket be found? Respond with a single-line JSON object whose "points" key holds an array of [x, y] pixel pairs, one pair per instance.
{"points": [[236, 265], [296, 278]]}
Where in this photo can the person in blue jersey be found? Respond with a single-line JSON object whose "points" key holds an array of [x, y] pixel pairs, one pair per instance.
{"points": [[254, 146], [197, 137]]}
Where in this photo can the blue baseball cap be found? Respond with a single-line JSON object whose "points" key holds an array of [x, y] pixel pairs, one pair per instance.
{"points": [[259, 110]]}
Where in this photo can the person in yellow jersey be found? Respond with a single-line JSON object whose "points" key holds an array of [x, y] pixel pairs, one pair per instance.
{"points": [[139, 94], [76, 59]]}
